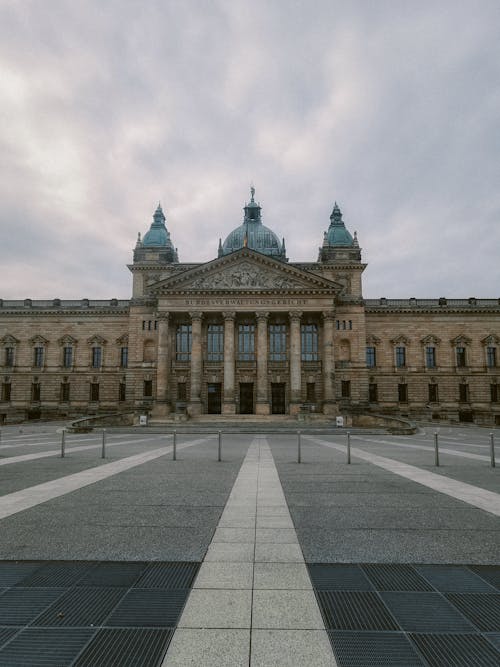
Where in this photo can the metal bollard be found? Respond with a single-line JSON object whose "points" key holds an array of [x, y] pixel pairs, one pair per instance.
{"points": [[299, 452], [219, 453], [63, 443], [174, 450], [348, 447], [436, 449], [492, 450], [103, 448]]}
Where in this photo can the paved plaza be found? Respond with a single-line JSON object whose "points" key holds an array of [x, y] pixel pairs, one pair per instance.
{"points": [[257, 559]]}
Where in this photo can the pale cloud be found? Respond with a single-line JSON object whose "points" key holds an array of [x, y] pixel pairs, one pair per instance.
{"points": [[108, 107]]}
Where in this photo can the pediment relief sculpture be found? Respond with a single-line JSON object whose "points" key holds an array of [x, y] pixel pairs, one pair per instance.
{"points": [[245, 276]]}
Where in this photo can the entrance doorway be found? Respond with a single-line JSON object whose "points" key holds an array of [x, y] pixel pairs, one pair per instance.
{"points": [[278, 398], [246, 398], [214, 402]]}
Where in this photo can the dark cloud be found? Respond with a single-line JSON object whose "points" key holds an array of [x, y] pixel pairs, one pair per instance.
{"points": [[393, 110]]}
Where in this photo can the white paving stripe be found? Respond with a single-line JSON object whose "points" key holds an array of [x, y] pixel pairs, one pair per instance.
{"points": [[18, 501], [252, 602], [442, 450], [57, 452], [488, 501]]}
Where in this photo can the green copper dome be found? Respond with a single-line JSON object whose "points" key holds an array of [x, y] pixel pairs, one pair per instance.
{"points": [[158, 235], [253, 234], [337, 234]]}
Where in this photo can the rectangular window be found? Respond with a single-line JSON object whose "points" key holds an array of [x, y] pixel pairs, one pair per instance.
{"points": [[463, 393], [372, 392], [96, 357], [277, 342], [311, 392], [460, 352], [35, 391], [401, 357], [38, 357], [433, 393], [346, 388], [494, 393], [122, 392], [94, 391], [6, 391], [491, 357], [9, 356], [430, 357], [215, 342], [371, 357], [124, 357], [148, 388], [309, 342], [67, 357], [183, 342], [181, 391], [64, 392], [246, 342], [403, 393]]}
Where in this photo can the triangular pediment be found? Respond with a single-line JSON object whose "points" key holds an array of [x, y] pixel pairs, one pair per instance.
{"points": [[245, 270]]}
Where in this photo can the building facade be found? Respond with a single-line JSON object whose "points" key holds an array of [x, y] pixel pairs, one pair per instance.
{"points": [[250, 333]]}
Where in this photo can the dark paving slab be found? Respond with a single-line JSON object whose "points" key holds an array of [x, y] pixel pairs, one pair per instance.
{"points": [[359, 512], [99, 617], [373, 649], [441, 650], [161, 510]]}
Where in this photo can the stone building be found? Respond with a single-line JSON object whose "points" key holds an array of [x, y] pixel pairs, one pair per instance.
{"points": [[250, 333]]}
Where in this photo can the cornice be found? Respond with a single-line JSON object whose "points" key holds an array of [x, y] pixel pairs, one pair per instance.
{"points": [[61, 311]]}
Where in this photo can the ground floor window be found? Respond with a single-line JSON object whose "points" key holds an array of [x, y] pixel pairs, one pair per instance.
{"points": [[94, 391], [463, 393], [494, 393], [6, 391], [148, 388], [181, 391], [64, 392], [345, 389], [403, 393], [122, 391], [311, 392], [35, 391], [372, 392], [433, 393]]}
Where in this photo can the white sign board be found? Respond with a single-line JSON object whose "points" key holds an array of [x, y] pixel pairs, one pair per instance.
{"points": [[143, 420], [339, 421]]}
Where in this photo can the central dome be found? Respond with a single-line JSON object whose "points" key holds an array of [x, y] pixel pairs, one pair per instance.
{"points": [[253, 234]]}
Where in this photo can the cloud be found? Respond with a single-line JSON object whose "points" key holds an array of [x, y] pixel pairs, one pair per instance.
{"points": [[109, 107]]}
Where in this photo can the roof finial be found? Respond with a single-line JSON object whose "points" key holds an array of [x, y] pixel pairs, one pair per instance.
{"points": [[252, 192]]}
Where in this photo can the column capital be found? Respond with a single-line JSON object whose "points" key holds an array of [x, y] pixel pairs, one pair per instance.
{"points": [[328, 315], [262, 315], [196, 315], [162, 316], [229, 315], [295, 314]]}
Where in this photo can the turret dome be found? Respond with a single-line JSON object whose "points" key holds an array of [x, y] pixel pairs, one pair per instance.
{"points": [[156, 242], [337, 234], [253, 234]]}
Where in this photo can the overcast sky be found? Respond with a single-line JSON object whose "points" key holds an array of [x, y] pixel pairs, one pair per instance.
{"points": [[391, 108]]}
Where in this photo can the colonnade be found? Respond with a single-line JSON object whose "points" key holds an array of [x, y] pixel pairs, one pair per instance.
{"points": [[294, 354]]}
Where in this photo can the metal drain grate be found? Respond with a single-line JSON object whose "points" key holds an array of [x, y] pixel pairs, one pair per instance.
{"points": [[482, 609], [489, 572], [19, 606], [339, 578], [11, 572], [6, 634], [494, 638], [82, 607], [125, 648], [425, 612], [56, 575], [354, 611], [168, 575], [149, 608], [396, 578], [454, 579], [373, 649], [456, 650], [113, 574], [45, 647]]}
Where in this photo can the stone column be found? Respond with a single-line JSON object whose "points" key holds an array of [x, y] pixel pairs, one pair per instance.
{"points": [[295, 359], [162, 407], [262, 407], [229, 405], [196, 364], [328, 363]]}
